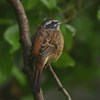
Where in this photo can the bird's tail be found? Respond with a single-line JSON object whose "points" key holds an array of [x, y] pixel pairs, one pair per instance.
{"points": [[37, 80]]}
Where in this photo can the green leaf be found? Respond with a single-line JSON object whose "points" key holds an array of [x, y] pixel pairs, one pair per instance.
{"points": [[29, 4], [64, 61], [84, 27], [50, 4], [5, 21], [68, 37], [12, 37], [71, 29], [98, 14], [28, 97], [5, 62], [19, 75]]}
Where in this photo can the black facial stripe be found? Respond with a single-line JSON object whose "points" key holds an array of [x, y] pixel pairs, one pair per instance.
{"points": [[50, 26], [55, 22]]}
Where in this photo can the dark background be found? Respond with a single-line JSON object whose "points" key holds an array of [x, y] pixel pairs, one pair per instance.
{"points": [[79, 66]]}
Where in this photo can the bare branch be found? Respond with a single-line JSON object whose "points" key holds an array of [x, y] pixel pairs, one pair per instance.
{"points": [[39, 96], [70, 18], [25, 41], [23, 27], [60, 86]]}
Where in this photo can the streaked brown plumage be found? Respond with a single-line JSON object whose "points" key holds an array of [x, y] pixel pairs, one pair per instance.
{"points": [[47, 45]]}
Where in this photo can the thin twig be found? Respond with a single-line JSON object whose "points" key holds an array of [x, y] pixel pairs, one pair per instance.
{"points": [[25, 40], [70, 18], [60, 86]]}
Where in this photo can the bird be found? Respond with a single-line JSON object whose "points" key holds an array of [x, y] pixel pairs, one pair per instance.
{"points": [[47, 45]]}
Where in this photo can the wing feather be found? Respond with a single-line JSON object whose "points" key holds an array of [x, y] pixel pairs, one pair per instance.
{"points": [[43, 45]]}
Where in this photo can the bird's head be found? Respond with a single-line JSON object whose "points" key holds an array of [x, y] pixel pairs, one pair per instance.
{"points": [[51, 24]]}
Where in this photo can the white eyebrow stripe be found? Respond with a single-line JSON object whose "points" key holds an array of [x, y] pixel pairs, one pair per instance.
{"points": [[47, 23], [55, 20]]}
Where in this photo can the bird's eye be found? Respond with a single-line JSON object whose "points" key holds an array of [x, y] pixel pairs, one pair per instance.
{"points": [[54, 22]]}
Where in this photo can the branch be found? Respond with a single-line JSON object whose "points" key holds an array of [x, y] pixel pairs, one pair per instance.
{"points": [[60, 86], [70, 18], [25, 41], [23, 27]]}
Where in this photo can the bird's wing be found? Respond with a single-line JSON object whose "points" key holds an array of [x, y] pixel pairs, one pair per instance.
{"points": [[44, 44]]}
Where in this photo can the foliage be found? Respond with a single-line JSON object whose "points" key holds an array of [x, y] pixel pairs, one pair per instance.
{"points": [[81, 55]]}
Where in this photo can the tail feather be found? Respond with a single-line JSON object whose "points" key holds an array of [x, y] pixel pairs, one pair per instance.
{"points": [[37, 80]]}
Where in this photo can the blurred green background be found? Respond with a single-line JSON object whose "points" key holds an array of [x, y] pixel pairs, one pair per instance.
{"points": [[79, 66]]}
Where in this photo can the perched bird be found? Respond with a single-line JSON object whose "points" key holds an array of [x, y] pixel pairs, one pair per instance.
{"points": [[47, 44]]}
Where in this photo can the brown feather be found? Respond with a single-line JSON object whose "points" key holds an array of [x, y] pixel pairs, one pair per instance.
{"points": [[47, 45]]}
